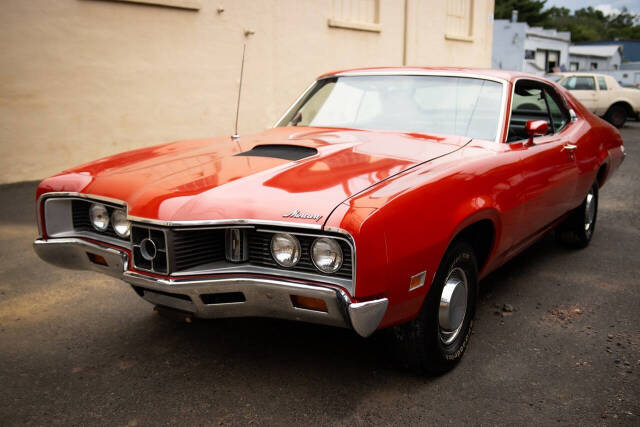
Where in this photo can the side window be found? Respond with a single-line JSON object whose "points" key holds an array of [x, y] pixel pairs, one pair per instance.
{"points": [[559, 114], [579, 83], [528, 103], [601, 83]]}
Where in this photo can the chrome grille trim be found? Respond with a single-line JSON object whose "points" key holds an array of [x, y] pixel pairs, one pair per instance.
{"points": [[212, 268], [201, 251], [137, 237], [63, 218]]}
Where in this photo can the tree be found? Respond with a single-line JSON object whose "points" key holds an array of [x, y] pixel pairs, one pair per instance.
{"points": [[529, 11], [586, 24]]}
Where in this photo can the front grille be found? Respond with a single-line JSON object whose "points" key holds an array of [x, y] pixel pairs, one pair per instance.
{"points": [[180, 250], [150, 249], [82, 221], [196, 247]]}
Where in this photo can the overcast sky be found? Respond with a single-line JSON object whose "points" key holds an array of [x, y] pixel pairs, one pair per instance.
{"points": [[605, 6]]}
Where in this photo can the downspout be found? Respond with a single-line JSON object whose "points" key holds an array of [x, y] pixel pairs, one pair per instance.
{"points": [[404, 39]]}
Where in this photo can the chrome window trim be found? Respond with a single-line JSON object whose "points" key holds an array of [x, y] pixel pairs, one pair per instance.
{"points": [[545, 82], [503, 82], [298, 99]]}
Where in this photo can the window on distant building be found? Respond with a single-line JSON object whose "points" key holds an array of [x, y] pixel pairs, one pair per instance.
{"points": [[594, 66], [363, 15], [459, 25], [548, 60], [529, 54], [574, 66]]}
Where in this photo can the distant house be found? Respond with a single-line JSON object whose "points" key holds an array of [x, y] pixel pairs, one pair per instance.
{"points": [[629, 74], [517, 46], [630, 48], [595, 57]]}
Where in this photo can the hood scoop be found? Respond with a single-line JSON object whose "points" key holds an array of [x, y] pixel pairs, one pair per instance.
{"points": [[280, 151]]}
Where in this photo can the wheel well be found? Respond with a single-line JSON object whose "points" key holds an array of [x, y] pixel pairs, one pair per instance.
{"points": [[602, 175], [480, 235], [624, 105]]}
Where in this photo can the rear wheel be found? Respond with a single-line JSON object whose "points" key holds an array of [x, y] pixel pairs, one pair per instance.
{"points": [[576, 231], [435, 341], [617, 115]]}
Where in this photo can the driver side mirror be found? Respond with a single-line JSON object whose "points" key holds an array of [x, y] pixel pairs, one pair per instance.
{"points": [[536, 128]]}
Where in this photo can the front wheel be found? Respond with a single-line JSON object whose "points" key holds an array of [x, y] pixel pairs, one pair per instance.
{"points": [[435, 341], [576, 231]]}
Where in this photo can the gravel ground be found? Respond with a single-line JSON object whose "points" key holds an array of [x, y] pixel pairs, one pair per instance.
{"points": [[81, 348]]}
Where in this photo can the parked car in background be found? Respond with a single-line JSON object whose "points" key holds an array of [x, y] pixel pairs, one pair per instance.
{"points": [[602, 95], [379, 200]]}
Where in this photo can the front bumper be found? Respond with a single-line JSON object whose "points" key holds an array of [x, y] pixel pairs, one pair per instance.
{"points": [[207, 297]]}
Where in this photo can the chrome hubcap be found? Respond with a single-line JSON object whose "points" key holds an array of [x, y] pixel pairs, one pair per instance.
{"points": [[589, 210], [453, 305]]}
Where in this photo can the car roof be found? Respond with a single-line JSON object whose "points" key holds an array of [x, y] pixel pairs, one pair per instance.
{"points": [[495, 74], [579, 73]]}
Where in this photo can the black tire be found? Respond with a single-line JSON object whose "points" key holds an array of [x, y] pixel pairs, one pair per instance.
{"points": [[617, 115], [420, 345], [577, 230]]}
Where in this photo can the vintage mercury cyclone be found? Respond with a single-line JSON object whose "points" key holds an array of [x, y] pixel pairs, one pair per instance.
{"points": [[378, 200]]}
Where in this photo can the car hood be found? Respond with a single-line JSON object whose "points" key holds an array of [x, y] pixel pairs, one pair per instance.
{"points": [[211, 179]]}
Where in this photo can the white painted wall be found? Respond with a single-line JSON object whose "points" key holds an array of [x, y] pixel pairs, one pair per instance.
{"points": [[82, 79]]}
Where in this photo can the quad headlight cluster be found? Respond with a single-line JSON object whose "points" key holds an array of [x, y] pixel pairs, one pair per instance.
{"points": [[100, 220], [325, 252]]}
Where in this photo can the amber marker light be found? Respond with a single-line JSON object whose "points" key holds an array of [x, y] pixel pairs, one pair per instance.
{"points": [[309, 303], [97, 259], [417, 280]]}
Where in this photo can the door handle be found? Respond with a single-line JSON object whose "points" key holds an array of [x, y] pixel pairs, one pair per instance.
{"points": [[569, 147]]}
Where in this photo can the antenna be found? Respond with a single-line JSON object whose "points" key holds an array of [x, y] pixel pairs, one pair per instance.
{"points": [[235, 132]]}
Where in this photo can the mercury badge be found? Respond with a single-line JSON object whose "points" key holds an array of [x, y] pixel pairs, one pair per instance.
{"points": [[297, 214]]}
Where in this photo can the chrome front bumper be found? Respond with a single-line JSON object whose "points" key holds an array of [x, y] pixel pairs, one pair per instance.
{"points": [[262, 297]]}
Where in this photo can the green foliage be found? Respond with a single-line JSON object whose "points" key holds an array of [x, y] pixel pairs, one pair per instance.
{"points": [[586, 24], [529, 11]]}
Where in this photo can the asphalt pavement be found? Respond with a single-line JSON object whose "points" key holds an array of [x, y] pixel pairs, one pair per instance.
{"points": [[556, 341]]}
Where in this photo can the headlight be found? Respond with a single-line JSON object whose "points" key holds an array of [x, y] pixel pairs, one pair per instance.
{"points": [[326, 255], [99, 217], [120, 224], [285, 249]]}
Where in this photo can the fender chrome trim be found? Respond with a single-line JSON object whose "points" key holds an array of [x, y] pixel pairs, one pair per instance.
{"points": [[366, 316], [74, 254]]}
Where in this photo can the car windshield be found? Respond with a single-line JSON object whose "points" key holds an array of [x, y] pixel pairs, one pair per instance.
{"points": [[423, 104]]}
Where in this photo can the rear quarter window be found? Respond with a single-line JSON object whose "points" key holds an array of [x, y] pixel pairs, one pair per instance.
{"points": [[602, 84]]}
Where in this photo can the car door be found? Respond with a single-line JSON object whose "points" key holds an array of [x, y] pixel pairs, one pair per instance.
{"points": [[548, 166], [584, 89]]}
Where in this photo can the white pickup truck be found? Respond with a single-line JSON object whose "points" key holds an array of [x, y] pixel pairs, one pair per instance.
{"points": [[602, 95]]}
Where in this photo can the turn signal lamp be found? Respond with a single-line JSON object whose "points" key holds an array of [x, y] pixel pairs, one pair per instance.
{"points": [[309, 303], [417, 280]]}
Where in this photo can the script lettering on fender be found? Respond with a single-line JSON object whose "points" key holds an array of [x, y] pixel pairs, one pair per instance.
{"points": [[297, 214]]}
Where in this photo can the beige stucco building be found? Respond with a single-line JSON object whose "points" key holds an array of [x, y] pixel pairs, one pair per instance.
{"points": [[81, 79]]}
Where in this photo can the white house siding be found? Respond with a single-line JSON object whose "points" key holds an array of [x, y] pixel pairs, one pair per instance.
{"points": [[511, 40], [605, 57]]}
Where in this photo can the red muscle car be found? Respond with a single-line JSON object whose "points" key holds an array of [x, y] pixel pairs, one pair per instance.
{"points": [[378, 200]]}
